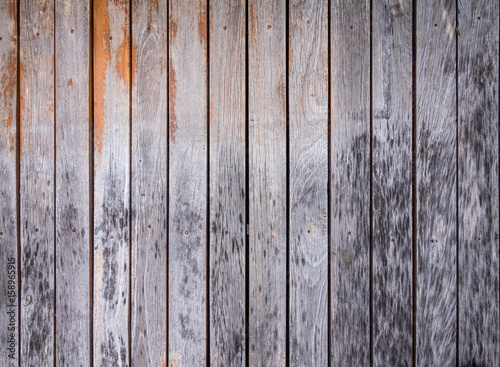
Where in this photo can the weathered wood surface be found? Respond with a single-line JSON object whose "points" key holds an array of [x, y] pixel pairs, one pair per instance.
{"points": [[9, 300], [111, 182], [37, 182], [436, 180], [72, 116], [392, 222], [188, 126], [227, 22], [308, 83], [350, 183], [478, 183], [267, 182], [149, 184]]}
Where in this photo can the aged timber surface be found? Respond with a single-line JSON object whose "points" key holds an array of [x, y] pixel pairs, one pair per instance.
{"points": [[72, 116], [392, 183], [37, 182], [227, 182], [267, 182], [350, 182], [188, 125], [308, 79], [8, 212], [478, 183], [436, 319], [149, 184], [111, 181]]}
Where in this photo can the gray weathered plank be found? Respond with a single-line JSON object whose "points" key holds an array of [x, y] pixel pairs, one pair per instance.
{"points": [[478, 168], [72, 183], [308, 83], [188, 183], [9, 304], [392, 183], [350, 182], [111, 172], [227, 182], [267, 182], [37, 182], [149, 184], [436, 184]]}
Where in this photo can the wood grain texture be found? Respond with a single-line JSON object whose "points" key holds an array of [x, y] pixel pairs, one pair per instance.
{"points": [[37, 182], [72, 183], [308, 83], [267, 182], [350, 182], [436, 184], [188, 122], [478, 168], [227, 182], [392, 183], [111, 181], [149, 184], [9, 303]]}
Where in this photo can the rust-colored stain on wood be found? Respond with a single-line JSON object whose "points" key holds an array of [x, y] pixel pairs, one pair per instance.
{"points": [[202, 23], [172, 91]]}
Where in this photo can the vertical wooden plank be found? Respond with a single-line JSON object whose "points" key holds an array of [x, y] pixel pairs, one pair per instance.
{"points": [[72, 183], [267, 182], [392, 183], [308, 83], [111, 170], [149, 183], [9, 317], [188, 183], [478, 167], [350, 182], [37, 182], [436, 183], [227, 182]]}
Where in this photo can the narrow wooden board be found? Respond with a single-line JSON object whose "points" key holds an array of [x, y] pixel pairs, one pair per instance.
{"points": [[149, 184], [188, 183], [436, 184], [112, 174], [9, 302], [350, 183], [37, 182], [308, 93], [267, 182], [227, 182], [392, 183], [478, 168], [72, 183]]}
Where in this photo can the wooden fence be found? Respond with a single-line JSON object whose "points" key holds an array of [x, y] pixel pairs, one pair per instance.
{"points": [[249, 182]]}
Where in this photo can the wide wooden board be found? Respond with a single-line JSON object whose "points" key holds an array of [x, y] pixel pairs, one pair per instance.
{"points": [[478, 180], [188, 126], [267, 182], [227, 182], [72, 113], [149, 184], [308, 93], [392, 221]]}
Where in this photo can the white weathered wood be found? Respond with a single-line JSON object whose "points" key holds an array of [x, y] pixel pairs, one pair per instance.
{"points": [[392, 222], [149, 184], [478, 169], [227, 182], [188, 121], [350, 183], [111, 185], [37, 182], [9, 300], [308, 93], [72, 183], [436, 319], [267, 182]]}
